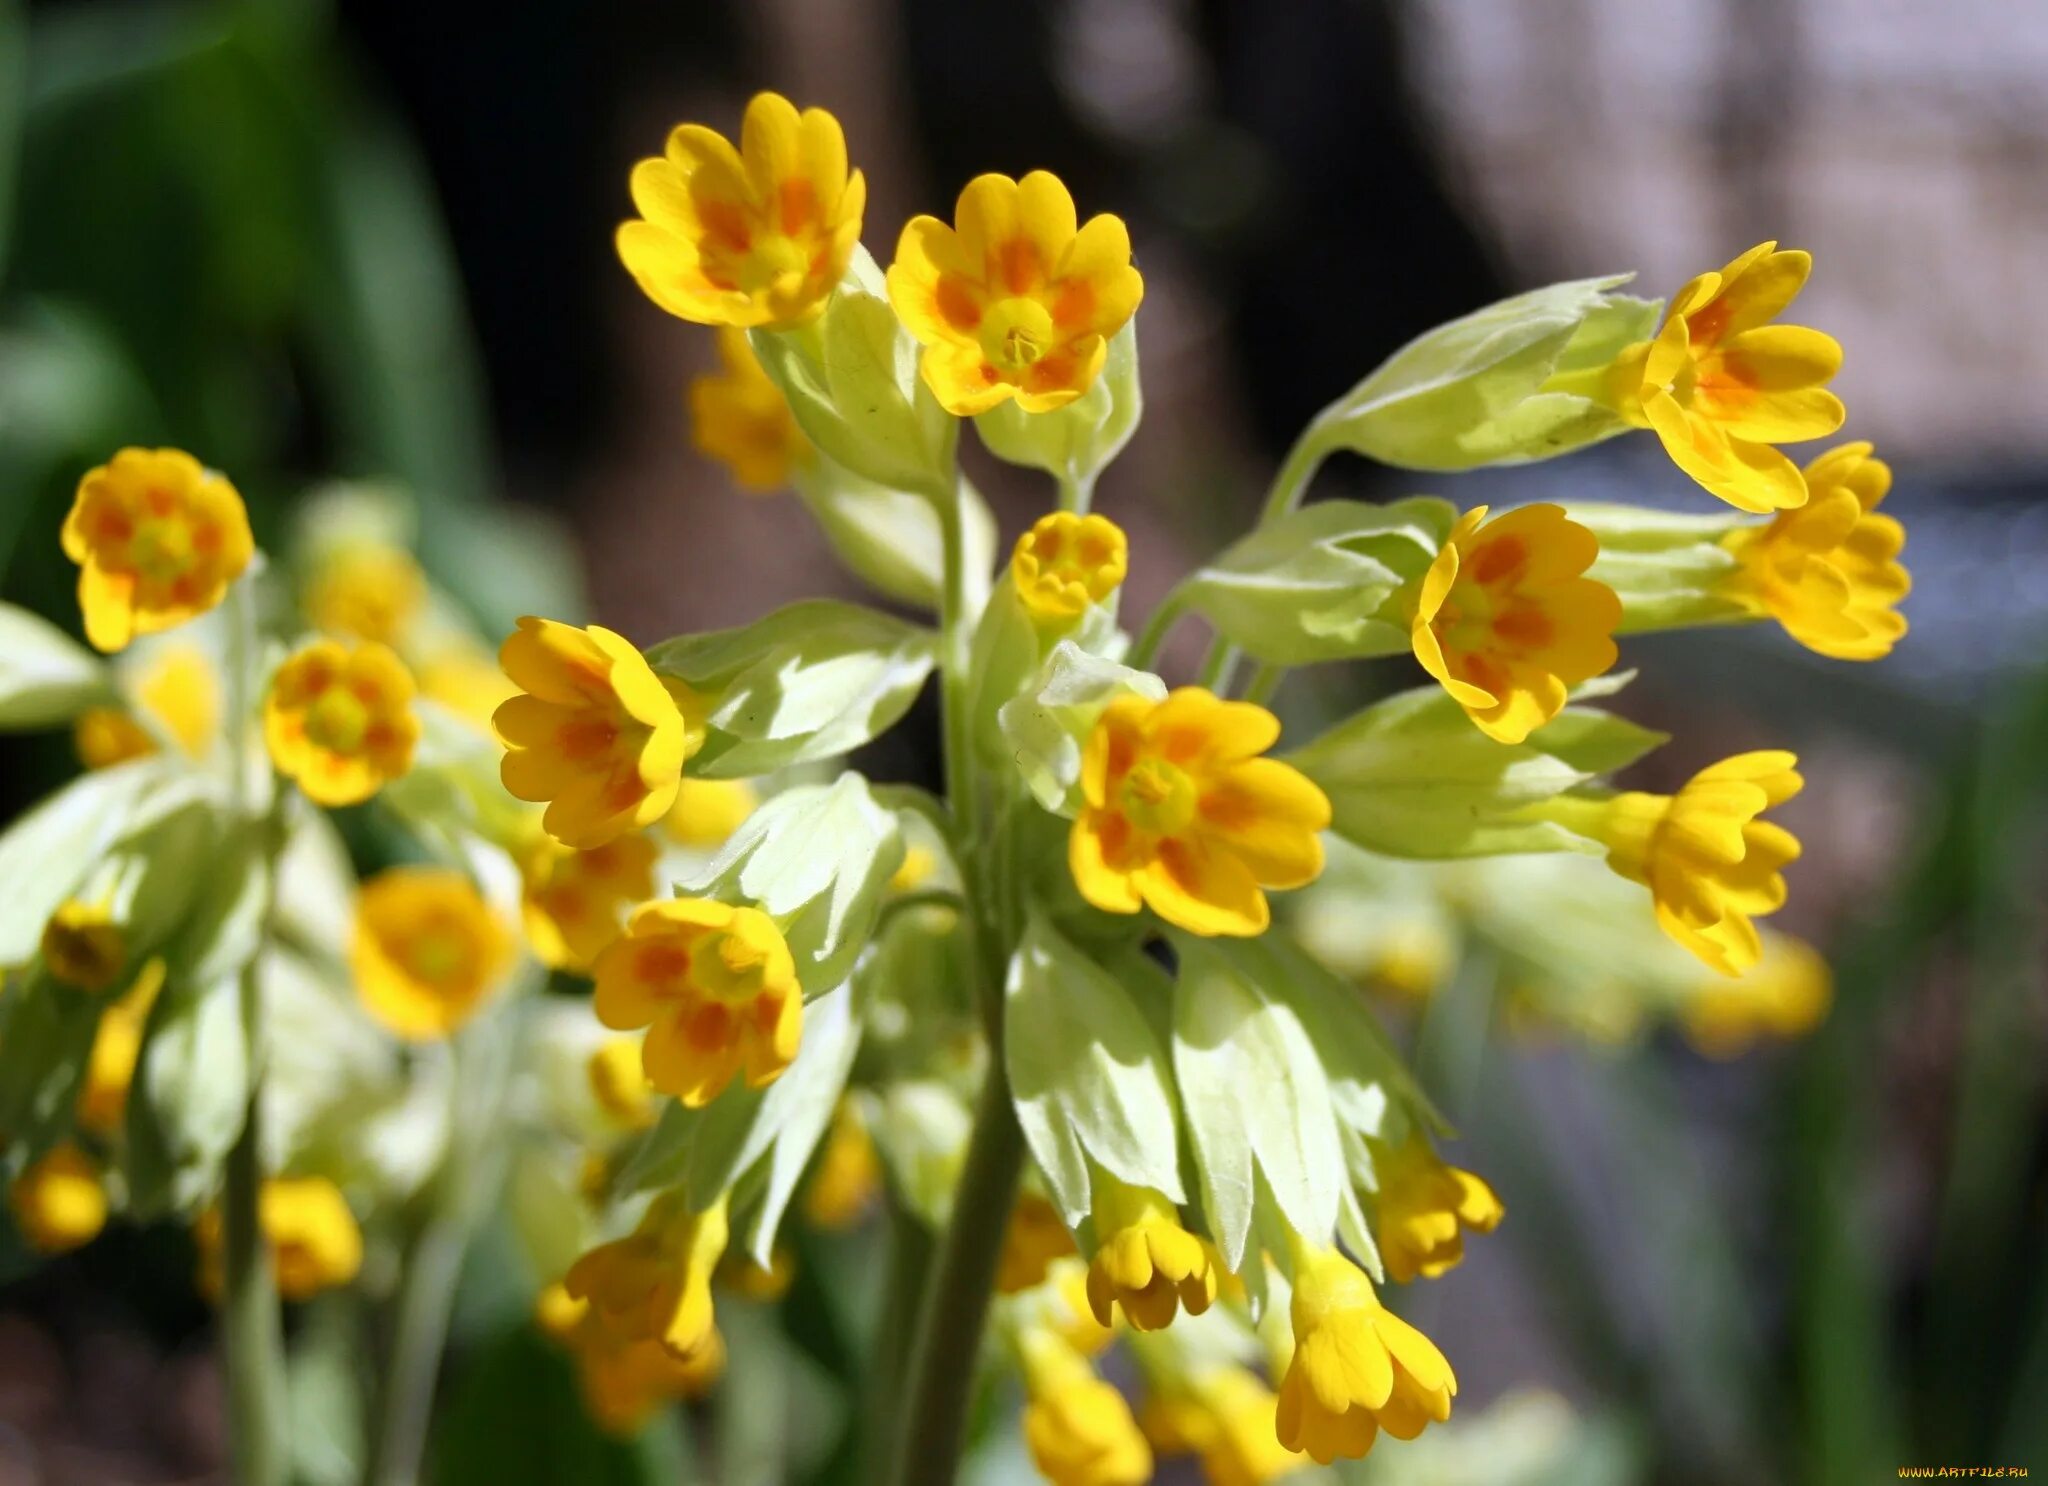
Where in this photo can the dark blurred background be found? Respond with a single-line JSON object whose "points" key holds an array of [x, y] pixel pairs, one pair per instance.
{"points": [[373, 240]]}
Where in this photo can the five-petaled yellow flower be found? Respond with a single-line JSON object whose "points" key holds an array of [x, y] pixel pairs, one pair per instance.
{"points": [[741, 419], [158, 539], [1357, 1369], [1721, 384], [1079, 1429], [758, 235], [1144, 1259], [59, 1202], [1506, 620], [1424, 1208], [339, 720], [1829, 570], [707, 811], [624, 1381], [314, 1241], [1224, 1414], [1067, 562], [427, 951], [595, 733], [574, 901], [83, 947], [716, 989], [1181, 815], [655, 1283], [177, 689], [1013, 300]]}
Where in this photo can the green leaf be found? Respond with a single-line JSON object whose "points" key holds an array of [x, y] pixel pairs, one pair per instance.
{"points": [[1048, 726], [189, 1097], [46, 677], [1074, 444], [1255, 1097], [1412, 777], [1470, 392], [47, 853], [1089, 1078], [1318, 583], [46, 1033], [809, 682], [921, 1127], [891, 539], [800, 1106]]}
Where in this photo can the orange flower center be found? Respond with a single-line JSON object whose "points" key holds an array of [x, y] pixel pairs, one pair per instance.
{"points": [[1159, 797]]}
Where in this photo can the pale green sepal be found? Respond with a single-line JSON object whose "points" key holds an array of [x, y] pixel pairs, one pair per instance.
{"points": [[1317, 584], [1255, 1097], [46, 677], [46, 1033], [817, 859], [1048, 726], [809, 682], [921, 1127], [1411, 777], [46, 853], [1075, 443], [890, 539], [851, 381], [1089, 1078], [803, 1100], [1471, 392], [1670, 571], [189, 1098]]}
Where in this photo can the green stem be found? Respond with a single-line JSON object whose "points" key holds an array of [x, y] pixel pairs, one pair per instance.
{"points": [[910, 1260], [1290, 484], [1146, 648], [955, 1310], [1076, 495], [1265, 681], [953, 666]]}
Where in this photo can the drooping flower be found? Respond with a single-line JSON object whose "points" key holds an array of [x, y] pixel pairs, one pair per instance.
{"points": [[1181, 815], [619, 1084], [1357, 1367], [715, 987], [116, 1045], [1144, 1259], [366, 591], [315, 1243], [339, 720], [595, 733], [1505, 619], [158, 539], [1224, 1415], [707, 811], [848, 1174], [624, 1382], [1721, 384], [1035, 1237], [655, 1283], [574, 901], [59, 1202], [1066, 563], [177, 689], [760, 235], [1078, 1428], [427, 951], [1424, 1208], [741, 419], [1013, 300], [1711, 866], [83, 947], [1829, 570], [1784, 996]]}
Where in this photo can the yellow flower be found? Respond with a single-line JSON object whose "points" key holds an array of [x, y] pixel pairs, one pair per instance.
{"points": [[1035, 1237], [59, 1202], [1507, 623], [740, 418], [595, 732], [116, 1044], [760, 235], [427, 950], [716, 988], [624, 1382], [83, 947], [106, 736], [1358, 1368], [1012, 300], [574, 901], [1183, 817], [655, 1284], [1829, 570], [1067, 562], [1145, 1259], [314, 1242], [1423, 1208], [848, 1174], [158, 539], [707, 811], [914, 871], [1721, 384], [1079, 1429], [177, 689], [339, 721], [1225, 1415], [1786, 995], [366, 591], [619, 1084]]}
